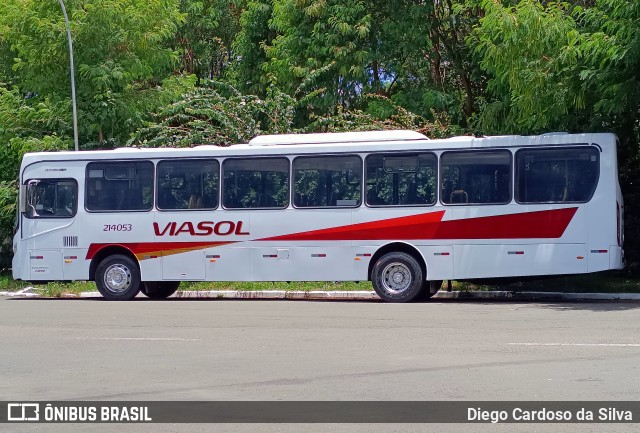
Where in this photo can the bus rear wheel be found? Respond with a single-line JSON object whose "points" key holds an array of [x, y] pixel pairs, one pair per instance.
{"points": [[397, 277], [159, 289], [118, 278]]}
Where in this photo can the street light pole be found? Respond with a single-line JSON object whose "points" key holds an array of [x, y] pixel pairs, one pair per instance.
{"points": [[73, 80]]}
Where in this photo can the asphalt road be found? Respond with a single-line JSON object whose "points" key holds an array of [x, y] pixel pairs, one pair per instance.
{"points": [[322, 350]]}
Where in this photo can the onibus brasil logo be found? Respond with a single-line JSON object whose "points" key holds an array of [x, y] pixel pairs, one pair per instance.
{"points": [[23, 412]]}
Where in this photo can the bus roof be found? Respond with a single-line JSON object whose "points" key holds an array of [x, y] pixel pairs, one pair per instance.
{"points": [[336, 137], [371, 141]]}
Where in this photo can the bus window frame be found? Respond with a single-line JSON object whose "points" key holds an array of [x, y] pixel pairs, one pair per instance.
{"points": [[328, 155], [157, 186], [496, 149], [417, 153], [289, 184], [56, 179], [556, 147], [86, 184]]}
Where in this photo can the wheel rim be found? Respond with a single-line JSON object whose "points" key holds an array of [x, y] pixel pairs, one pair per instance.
{"points": [[117, 278], [396, 278]]}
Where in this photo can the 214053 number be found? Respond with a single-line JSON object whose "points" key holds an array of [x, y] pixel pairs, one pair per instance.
{"points": [[117, 228]]}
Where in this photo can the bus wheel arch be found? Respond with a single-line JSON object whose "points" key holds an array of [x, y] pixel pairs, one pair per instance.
{"points": [[106, 252], [116, 274], [398, 273], [400, 247]]}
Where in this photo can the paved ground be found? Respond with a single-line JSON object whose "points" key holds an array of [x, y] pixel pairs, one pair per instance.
{"points": [[322, 350]]}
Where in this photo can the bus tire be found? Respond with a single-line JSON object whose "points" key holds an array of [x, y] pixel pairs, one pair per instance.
{"points": [[397, 277], [159, 289], [118, 278]]}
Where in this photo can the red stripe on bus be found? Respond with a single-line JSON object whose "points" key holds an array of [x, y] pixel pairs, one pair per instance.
{"points": [[140, 249], [421, 226], [527, 225]]}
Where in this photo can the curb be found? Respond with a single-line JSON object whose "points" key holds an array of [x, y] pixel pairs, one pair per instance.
{"points": [[497, 295], [371, 295], [27, 292], [278, 294]]}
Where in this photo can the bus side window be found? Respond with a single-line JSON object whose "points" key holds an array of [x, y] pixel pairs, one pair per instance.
{"points": [[119, 186], [401, 179], [258, 183], [187, 184], [327, 181], [476, 177], [556, 175], [51, 198]]}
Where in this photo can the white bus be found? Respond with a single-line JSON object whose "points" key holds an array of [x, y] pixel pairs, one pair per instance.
{"points": [[391, 207]]}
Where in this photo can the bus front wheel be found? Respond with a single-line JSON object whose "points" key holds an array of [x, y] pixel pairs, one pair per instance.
{"points": [[159, 289], [118, 278], [397, 277]]}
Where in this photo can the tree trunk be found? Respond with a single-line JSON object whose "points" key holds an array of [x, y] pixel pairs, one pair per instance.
{"points": [[377, 88], [468, 99]]}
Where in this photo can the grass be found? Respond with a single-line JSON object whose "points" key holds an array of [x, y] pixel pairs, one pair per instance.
{"points": [[57, 289], [295, 285], [589, 283]]}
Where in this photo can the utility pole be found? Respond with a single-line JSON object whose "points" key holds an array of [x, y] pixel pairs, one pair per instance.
{"points": [[73, 80]]}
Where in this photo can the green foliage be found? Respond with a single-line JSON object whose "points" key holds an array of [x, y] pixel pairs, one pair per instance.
{"points": [[329, 53], [28, 125], [204, 39], [528, 51], [8, 201], [382, 113], [118, 44], [249, 45], [216, 114], [611, 52], [420, 58], [321, 44], [557, 66]]}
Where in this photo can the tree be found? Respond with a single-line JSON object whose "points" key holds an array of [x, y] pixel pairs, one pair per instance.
{"points": [[249, 48], [29, 125], [205, 37], [320, 49], [119, 48], [526, 50], [219, 114], [331, 54], [419, 57]]}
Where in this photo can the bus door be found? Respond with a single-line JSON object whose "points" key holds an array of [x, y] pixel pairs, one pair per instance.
{"points": [[48, 226]]}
